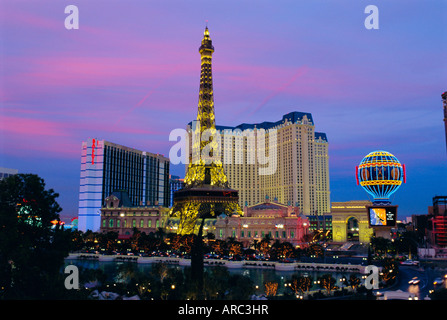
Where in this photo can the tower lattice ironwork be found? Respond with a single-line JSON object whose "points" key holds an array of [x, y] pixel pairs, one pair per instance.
{"points": [[206, 193]]}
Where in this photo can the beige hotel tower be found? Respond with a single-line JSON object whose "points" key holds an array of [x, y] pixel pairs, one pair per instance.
{"points": [[296, 159]]}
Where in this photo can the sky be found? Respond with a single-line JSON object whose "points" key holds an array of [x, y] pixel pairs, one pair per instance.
{"points": [[130, 75]]}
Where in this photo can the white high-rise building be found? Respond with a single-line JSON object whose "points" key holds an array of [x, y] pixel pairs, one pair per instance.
{"points": [[107, 167], [295, 169]]}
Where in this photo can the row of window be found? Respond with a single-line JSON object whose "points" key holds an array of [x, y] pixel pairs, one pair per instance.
{"points": [[256, 234], [111, 223]]}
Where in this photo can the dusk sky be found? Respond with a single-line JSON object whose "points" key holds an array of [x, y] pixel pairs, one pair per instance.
{"points": [[130, 75]]}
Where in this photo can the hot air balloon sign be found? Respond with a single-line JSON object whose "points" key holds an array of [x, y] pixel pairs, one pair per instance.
{"points": [[380, 174]]}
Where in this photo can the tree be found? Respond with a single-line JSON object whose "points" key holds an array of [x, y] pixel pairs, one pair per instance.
{"points": [[354, 282], [408, 242], [218, 246], [77, 240], [316, 249], [264, 244], [271, 288], [300, 284], [390, 270], [186, 242], [381, 245], [108, 240], [160, 234], [255, 244], [285, 250], [134, 239], [31, 251], [327, 281], [234, 247]]}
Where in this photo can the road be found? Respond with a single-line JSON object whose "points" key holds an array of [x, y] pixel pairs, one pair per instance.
{"points": [[426, 277]]}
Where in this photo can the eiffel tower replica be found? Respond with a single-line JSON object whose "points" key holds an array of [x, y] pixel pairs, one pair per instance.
{"points": [[206, 193]]}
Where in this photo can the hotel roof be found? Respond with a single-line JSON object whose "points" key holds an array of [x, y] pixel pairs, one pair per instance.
{"points": [[290, 117]]}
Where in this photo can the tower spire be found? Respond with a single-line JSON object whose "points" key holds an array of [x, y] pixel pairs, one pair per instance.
{"points": [[205, 113], [205, 166]]}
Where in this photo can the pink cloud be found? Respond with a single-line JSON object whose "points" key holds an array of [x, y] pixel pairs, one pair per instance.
{"points": [[30, 127], [62, 71]]}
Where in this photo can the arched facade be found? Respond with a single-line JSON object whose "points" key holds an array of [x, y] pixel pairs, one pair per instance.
{"points": [[350, 222]]}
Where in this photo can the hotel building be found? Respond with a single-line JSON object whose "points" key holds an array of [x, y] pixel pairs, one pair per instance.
{"points": [[300, 175], [273, 219], [280, 222], [437, 222], [106, 167], [120, 215]]}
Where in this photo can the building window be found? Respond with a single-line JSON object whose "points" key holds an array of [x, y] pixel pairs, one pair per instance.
{"points": [[242, 233], [157, 224], [149, 223], [111, 223], [220, 233], [104, 223], [118, 222], [134, 223], [141, 223], [276, 234]]}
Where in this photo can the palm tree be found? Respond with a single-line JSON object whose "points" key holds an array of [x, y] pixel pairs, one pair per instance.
{"points": [[255, 244], [381, 245], [160, 234]]}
